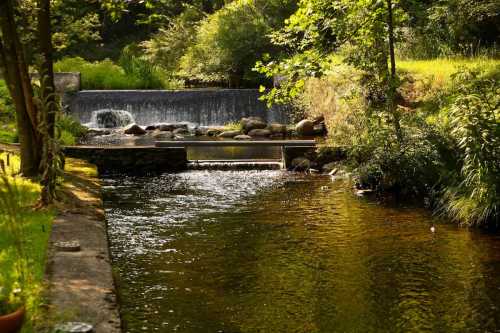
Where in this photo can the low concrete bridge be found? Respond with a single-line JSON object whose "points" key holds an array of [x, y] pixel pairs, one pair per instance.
{"points": [[167, 156]]}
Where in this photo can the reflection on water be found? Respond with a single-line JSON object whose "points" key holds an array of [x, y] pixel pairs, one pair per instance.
{"points": [[276, 252]]}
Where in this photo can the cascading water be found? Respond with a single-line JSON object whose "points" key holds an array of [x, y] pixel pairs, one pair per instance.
{"points": [[200, 107], [108, 118]]}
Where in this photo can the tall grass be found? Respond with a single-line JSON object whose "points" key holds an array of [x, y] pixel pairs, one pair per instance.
{"points": [[135, 73]]}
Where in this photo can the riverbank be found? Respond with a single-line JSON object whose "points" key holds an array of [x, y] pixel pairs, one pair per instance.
{"points": [[78, 285]]}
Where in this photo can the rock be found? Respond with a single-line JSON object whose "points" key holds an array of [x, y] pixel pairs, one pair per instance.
{"points": [[259, 132], [243, 137], [200, 131], [277, 136], [229, 134], [69, 246], [300, 164], [97, 132], [320, 129], [252, 123], [135, 130], [276, 128], [327, 168], [151, 128], [74, 327], [319, 120], [163, 135], [181, 131], [305, 128], [213, 131], [166, 127]]}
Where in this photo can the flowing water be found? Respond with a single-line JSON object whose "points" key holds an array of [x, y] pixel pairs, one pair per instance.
{"points": [[271, 252]]}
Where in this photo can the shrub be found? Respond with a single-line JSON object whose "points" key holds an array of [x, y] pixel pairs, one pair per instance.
{"points": [[69, 130], [473, 197], [229, 42], [139, 74]]}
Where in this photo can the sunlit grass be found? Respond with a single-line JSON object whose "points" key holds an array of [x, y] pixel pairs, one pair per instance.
{"points": [[35, 230], [442, 69]]}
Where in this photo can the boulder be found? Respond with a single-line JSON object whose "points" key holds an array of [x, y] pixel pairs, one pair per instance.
{"points": [[320, 129], [166, 127], [327, 168], [259, 132], [305, 128], [276, 128], [300, 164], [319, 120], [277, 136], [167, 135], [213, 131], [134, 129], [151, 128], [229, 134], [181, 131], [252, 123], [243, 137]]}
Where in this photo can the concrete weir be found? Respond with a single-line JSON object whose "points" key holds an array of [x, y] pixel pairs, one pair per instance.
{"points": [[167, 156], [206, 107]]}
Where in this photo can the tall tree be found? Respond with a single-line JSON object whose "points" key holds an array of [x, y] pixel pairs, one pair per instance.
{"points": [[18, 80], [48, 101]]}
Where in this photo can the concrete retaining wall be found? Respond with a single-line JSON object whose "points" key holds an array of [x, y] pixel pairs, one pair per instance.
{"points": [[201, 107], [131, 160]]}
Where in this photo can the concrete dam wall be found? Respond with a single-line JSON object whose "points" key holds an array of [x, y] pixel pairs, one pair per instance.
{"points": [[200, 107]]}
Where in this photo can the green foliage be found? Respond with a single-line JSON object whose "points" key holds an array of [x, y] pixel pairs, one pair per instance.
{"points": [[473, 197], [169, 44], [70, 130], [229, 42], [140, 68], [6, 107], [24, 234], [139, 73]]}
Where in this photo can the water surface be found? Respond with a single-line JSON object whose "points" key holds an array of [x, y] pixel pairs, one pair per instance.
{"points": [[219, 251]]}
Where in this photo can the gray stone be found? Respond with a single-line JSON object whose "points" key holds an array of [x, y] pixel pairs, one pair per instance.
{"points": [[163, 135], [327, 168], [252, 123], [181, 131], [305, 128], [151, 127], [74, 327], [213, 131], [229, 134], [68, 246], [276, 128], [166, 127], [243, 137], [135, 130], [259, 132], [300, 164]]}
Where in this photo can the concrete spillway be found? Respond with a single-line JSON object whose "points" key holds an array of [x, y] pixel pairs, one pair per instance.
{"points": [[200, 107]]}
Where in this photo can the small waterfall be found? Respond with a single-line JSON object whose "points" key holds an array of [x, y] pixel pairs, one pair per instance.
{"points": [[201, 107], [235, 165], [108, 118]]}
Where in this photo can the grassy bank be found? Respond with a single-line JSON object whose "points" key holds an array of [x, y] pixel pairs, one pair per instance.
{"points": [[449, 150], [35, 230]]}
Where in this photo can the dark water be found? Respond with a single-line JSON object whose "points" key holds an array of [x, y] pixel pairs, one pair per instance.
{"points": [[275, 252]]}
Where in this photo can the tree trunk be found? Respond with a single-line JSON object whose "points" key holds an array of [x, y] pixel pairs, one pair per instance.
{"points": [[393, 78], [19, 83], [49, 101]]}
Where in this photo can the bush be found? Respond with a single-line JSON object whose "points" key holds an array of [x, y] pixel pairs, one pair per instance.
{"points": [[474, 195], [139, 74], [69, 130], [229, 42]]}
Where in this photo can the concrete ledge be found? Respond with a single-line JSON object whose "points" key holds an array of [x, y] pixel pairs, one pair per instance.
{"points": [[234, 143], [131, 160]]}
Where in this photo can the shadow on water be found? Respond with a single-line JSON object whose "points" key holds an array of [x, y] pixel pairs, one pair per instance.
{"points": [[248, 251]]}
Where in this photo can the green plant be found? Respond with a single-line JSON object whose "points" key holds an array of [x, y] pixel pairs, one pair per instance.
{"points": [[474, 196], [13, 281]]}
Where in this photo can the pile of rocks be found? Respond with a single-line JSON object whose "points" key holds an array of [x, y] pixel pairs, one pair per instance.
{"points": [[251, 128]]}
